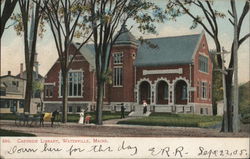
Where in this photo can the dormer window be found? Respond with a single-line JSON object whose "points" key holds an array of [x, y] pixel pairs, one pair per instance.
{"points": [[118, 58], [15, 83]]}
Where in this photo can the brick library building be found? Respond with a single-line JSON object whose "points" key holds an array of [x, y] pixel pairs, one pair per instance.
{"points": [[175, 76]]}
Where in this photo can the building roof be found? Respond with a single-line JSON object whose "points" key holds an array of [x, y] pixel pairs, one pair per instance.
{"points": [[168, 51], [126, 37], [34, 75], [88, 51], [16, 77]]}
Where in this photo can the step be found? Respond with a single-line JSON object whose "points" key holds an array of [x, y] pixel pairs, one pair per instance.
{"points": [[139, 114]]}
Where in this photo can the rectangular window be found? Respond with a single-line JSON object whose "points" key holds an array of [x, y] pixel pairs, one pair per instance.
{"points": [[3, 103], [75, 80], [21, 104], [201, 111], [49, 91], [206, 110], [203, 63], [78, 109], [15, 83], [117, 76], [204, 90], [118, 58], [198, 89], [70, 109]]}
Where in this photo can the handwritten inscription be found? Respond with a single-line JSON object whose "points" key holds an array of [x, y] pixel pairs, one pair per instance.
{"points": [[168, 152], [19, 150], [47, 148], [128, 147], [85, 147], [211, 153]]}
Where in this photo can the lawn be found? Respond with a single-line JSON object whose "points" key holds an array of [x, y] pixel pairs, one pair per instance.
{"points": [[178, 120], [13, 133], [106, 116], [73, 117]]}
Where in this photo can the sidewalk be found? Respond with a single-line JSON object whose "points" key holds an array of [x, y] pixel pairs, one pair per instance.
{"points": [[111, 129]]}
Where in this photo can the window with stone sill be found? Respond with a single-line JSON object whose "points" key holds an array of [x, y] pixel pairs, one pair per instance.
{"points": [[203, 63], [49, 91], [75, 83], [117, 76], [204, 90], [118, 58]]}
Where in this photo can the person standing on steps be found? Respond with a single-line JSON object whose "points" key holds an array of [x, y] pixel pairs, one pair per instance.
{"points": [[122, 111], [144, 103]]}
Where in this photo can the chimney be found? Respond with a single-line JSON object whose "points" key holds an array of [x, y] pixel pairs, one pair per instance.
{"points": [[21, 70], [9, 73]]}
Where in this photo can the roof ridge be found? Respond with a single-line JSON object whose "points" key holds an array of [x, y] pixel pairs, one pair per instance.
{"points": [[173, 36]]}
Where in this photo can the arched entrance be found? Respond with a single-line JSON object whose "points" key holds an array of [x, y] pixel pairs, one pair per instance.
{"points": [[162, 94], [144, 92], [181, 94]]}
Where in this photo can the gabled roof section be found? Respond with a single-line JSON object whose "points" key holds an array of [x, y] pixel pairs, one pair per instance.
{"points": [[169, 50], [88, 52]]}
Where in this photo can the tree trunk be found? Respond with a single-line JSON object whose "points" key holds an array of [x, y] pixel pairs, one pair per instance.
{"points": [[28, 91], [64, 96], [100, 89], [229, 78]]}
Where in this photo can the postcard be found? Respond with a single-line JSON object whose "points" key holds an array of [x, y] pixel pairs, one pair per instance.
{"points": [[124, 79]]}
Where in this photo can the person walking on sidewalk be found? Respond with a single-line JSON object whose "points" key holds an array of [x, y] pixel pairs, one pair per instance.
{"points": [[122, 111]]}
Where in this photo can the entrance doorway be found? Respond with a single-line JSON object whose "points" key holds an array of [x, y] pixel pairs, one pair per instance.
{"points": [[144, 92], [180, 92], [162, 94]]}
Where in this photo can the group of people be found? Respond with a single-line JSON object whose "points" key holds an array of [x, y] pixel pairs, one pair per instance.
{"points": [[144, 103], [49, 116], [83, 120], [86, 120]]}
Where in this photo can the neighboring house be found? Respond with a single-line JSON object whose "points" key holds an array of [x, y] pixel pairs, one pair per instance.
{"points": [[37, 96], [12, 92], [36, 77], [173, 75]]}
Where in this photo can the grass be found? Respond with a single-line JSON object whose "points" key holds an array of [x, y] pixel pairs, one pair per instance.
{"points": [[13, 133], [73, 117], [179, 120]]}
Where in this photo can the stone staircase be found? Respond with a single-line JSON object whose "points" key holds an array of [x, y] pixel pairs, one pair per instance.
{"points": [[138, 112]]}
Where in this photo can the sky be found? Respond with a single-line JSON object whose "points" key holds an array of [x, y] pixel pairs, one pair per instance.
{"points": [[12, 49]]}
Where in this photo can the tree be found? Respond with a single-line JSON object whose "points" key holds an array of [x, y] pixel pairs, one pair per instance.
{"points": [[38, 87], [9, 6], [28, 10], [217, 88], [66, 18], [106, 17], [210, 25]]}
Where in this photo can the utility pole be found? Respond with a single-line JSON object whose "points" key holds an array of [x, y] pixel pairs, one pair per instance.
{"points": [[224, 72]]}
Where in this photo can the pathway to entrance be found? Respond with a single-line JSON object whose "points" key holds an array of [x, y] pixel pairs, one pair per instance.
{"points": [[115, 121]]}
